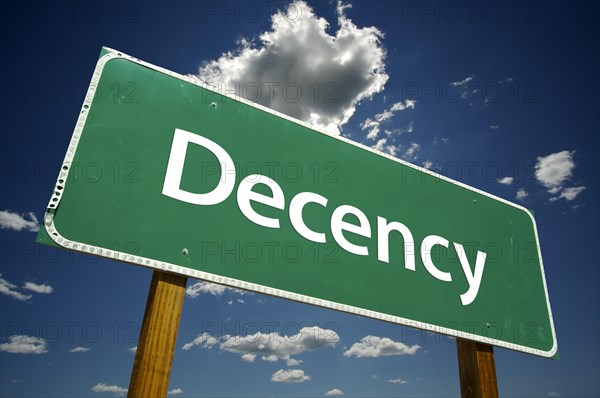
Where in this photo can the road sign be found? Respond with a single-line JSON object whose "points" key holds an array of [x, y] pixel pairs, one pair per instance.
{"points": [[164, 172]]}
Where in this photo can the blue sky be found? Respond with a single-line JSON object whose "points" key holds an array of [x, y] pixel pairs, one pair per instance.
{"points": [[501, 96]]}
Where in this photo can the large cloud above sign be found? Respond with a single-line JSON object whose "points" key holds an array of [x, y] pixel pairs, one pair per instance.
{"points": [[303, 71]]}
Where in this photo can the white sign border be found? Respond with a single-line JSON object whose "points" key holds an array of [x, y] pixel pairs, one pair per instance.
{"points": [[238, 284]]}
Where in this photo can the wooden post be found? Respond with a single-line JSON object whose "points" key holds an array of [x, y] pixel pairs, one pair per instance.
{"points": [[477, 370], [156, 346]]}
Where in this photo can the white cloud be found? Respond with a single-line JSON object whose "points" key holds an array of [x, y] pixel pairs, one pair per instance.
{"points": [[506, 180], [293, 362], [554, 170], [17, 222], [132, 349], [175, 391], [397, 381], [553, 394], [411, 152], [373, 126], [495, 126], [336, 392], [80, 349], [462, 82], [373, 346], [204, 340], [21, 344], [382, 147], [101, 387], [301, 70], [248, 357], [522, 194], [199, 288], [507, 80], [10, 290], [569, 194], [428, 164], [270, 347], [289, 376], [41, 289]]}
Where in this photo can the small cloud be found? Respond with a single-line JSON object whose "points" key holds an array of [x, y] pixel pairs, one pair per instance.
{"points": [[336, 392], [16, 381], [293, 362], [41, 289], [568, 194], [199, 288], [22, 344], [248, 357], [382, 147], [506, 180], [397, 381], [373, 126], [495, 126], [461, 83], [522, 194], [132, 349], [411, 152], [10, 289], [204, 340], [101, 387], [506, 80], [554, 170], [428, 164], [553, 394], [17, 222], [80, 349], [374, 347], [175, 391], [289, 376]]}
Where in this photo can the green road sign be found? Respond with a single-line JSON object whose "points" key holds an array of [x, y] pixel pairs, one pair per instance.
{"points": [[164, 172]]}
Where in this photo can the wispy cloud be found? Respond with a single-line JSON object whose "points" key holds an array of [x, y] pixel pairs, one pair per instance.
{"points": [[374, 347], [41, 289], [345, 67], [204, 340], [411, 152], [199, 288], [270, 347], [373, 127], [494, 126], [336, 392], [290, 376], [521, 194], [175, 391], [462, 82], [22, 344], [506, 180], [101, 387], [382, 146], [18, 222], [79, 349], [397, 381], [568, 194], [10, 290], [132, 349]]}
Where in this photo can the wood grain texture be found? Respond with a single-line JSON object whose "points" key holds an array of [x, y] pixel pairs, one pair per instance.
{"points": [[477, 370], [156, 346]]}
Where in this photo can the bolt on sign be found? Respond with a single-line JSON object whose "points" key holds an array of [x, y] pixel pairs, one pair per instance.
{"points": [[165, 172]]}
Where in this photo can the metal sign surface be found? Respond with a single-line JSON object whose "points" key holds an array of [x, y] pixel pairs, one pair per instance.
{"points": [[164, 172]]}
